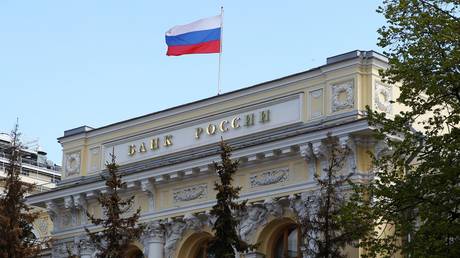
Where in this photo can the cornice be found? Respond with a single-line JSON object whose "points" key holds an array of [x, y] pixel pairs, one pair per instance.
{"points": [[168, 170]]}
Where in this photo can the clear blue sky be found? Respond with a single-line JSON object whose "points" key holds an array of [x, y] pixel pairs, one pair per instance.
{"points": [[64, 64]]}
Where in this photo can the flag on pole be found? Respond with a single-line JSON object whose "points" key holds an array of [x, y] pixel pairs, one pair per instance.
{"points": [[199, 37]]}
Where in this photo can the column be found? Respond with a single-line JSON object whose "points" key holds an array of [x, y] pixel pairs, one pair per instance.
{"points": [[153, 239]]}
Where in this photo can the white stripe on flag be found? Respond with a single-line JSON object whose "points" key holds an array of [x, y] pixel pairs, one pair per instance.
{"points": [[203, 24]]}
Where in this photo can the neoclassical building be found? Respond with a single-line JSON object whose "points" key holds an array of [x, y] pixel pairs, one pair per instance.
{"points": [[276, 130]]}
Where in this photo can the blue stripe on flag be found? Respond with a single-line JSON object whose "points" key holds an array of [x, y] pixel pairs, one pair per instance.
{"points": [[194, 37]]}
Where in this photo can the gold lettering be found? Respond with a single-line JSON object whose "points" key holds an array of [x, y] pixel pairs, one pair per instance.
{"points": [[155, 144], [198, 132], [142, 148], [222, 126], [265, 116], [211, 129], [168, 140], [132, 150], [235, 122], [249, 120]]}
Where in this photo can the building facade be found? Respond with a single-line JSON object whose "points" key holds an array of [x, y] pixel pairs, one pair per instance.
{"points": [[36, 169], [276, 130]]}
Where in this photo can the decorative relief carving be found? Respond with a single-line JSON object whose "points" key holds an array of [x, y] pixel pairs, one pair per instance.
{"points": [[254, 218], [273, 207], [72, 164], [191, 193], [174, 232], [342, 96], [42, 224], [154, 231], [62, 250], [148, 188], [274, 176], [382, 97], [85, 245]]}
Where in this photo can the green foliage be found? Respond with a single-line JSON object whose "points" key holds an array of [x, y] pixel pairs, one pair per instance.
{"points": [[226, 239], [118, 229], [416, 194], [16, 217], [329, 222]]}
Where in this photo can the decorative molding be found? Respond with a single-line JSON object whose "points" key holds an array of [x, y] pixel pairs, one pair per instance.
{"points": [[154, 231], [148, 188], [347, 142], [85, 246], [174, 231], [42, 225], [340, 103], [80, 206], [256, 215], [274, 207], [72, 163], [270, 177], [382, 97], [306, 151], [191, 193], [61, 250], [52, 210], [68, 202]]}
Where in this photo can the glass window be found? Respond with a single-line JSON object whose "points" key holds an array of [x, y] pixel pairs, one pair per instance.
{"points": [[287, 244], [203, 252]]}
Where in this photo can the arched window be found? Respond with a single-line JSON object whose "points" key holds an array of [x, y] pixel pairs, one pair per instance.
{"points": [[133, 252], [287, 244], [203, 251]]}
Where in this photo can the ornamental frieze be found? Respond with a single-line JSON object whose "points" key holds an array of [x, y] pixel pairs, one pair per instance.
{"points": [[191, 193], [342, 96], [274, 176]]}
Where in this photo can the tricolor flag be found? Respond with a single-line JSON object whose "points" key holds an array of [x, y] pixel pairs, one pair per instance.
{"points": [[199, 37]]}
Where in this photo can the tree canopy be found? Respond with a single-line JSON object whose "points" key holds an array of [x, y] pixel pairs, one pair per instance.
{"points": [[416, 191]]}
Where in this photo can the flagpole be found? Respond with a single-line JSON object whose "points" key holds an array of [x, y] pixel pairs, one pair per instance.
{"points": [[221, 43]]}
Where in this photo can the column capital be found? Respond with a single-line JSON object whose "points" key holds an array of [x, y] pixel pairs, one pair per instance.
{"points": [[154, 232], [253, 254], [85, 246]]}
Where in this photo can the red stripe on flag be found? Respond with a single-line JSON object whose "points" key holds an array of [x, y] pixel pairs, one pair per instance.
{"points": [[201, 48]]}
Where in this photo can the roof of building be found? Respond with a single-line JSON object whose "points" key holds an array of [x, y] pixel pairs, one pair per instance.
{"points": [[329, 61]]}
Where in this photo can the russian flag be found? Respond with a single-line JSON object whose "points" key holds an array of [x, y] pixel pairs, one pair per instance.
{"points": [[199, 37]]}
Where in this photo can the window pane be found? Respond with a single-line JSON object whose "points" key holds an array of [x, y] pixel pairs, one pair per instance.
{"points": [[292, 244], [279, 249]]}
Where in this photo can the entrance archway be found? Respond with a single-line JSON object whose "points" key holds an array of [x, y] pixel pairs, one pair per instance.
{"points": [[280, 239], [195, 246], [133, 252]]}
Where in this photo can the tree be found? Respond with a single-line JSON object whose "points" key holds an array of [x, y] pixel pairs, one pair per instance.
{"points": [[16, 217], [226, 239], [416, 194], [329, 224], [118, 229]]}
